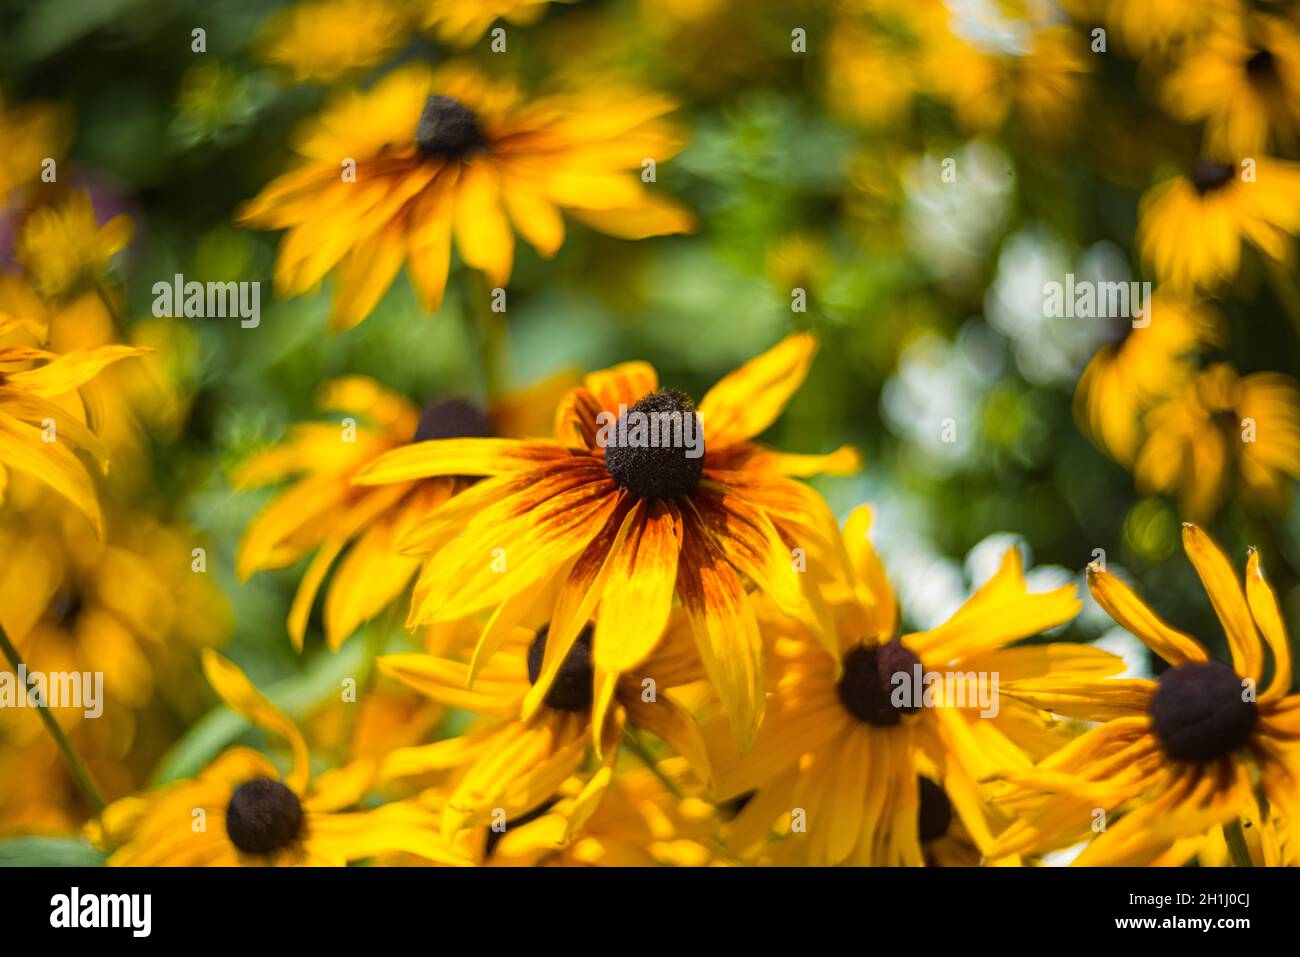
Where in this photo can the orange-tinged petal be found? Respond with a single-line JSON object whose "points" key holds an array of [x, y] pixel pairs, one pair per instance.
{"points": [[637, 594], [577, 598], [493, 558], [726, 631], [624, 384], [752, 544]]}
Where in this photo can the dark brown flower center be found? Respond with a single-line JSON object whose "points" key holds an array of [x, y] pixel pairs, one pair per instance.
{"points": [[1261, 66], [935, 812], [867, 686], [1229, 424], [263, 817], [656, 448], [65, 607], [453, 419], [1200, 713], [571, 689], [1207, 176], [448, 129]]}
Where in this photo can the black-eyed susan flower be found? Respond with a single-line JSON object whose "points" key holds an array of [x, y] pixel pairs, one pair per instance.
{"points": [[615, 527], [1242, 78], [42, 420], [321, 513], [1177, 756], [845, 770], [507, 764], [128, 605], [321, 40], [240, 811], [394, 174], [1221, 430], [1143, 365], [1191, 228]]}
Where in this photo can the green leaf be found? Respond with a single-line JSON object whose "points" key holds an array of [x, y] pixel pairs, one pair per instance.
{"points": [[297, 697], [49, 852]]}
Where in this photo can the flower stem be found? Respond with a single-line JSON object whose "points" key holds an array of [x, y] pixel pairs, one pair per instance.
{"points": [[78, 767], [1236, 840], [488, 327], [638, 748]]}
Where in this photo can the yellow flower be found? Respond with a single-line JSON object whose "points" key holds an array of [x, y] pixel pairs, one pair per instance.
{"points": [[323, 39], [322, 512], [32, 133], [240, 812], [874, 63], [508, 764], [461, 22], [618, 527], [1157, 24], [393, 174], [1144, 366], [1178, 755], [63, 246], [38, 433], [130, 607], [846, 775], [1220, 428], [1044, 82], [1243, 80], [1190, 228]]}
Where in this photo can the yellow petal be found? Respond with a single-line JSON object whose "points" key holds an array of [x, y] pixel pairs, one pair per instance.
{"points": [[1229, 602], [456, 457], [637, 594], [748, 400], [70, 371], [1263, 605], [238, 693], [1128, 610]]}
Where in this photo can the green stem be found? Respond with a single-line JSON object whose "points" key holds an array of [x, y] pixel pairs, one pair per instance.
{"points": [[638, 748], [78, 767], [1236, 839], [488, 328]]}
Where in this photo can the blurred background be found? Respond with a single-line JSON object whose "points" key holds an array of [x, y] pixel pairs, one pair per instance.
{"points": [[815, 161]]}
